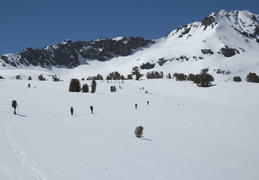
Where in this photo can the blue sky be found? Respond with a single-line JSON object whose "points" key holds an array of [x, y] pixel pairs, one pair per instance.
{"points": [[39, 23]]}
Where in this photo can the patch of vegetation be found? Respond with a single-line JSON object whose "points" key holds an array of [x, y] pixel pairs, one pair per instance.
{"points": [[220, 71], [147, 66], [155, 75], [136, 72], [237, 79], [41, 78], [94, 85], [85, 88], [139, 131], [113, 89], [115, 76], [74, 85], [203, 79], [180, 76], [252, 77]]}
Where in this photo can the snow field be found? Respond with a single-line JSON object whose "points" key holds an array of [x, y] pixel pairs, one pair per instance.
{"points": [[190, 133]]}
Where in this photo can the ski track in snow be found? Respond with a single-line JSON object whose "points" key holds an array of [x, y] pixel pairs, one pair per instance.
{"points": [[23, 158], [7, 171], [155, 175]]}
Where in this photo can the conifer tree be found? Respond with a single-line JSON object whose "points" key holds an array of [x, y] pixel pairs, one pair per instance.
{"points": [[139, 131], [94, 84], [74, 85], [237, 79], [85, 88], [252, 77], [129, 77], [41, 78], [203, 79], [113, 89], [136, 72]]}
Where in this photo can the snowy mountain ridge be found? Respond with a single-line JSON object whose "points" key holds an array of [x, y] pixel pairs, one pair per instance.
{"points": [[222, 42], [190, 133]]}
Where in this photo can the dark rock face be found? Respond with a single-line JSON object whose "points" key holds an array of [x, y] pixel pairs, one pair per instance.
{"points": [[104, 49], [207, 21], [228, 52], [147, 66], [161, 61], [256, 33], [184, 30], [207, 51], [67, 53], [7, 61], [61, 54]]}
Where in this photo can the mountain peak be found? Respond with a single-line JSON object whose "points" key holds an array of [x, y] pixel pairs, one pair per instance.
{"points": [[223, 12], [237, 16], [220, 37]]}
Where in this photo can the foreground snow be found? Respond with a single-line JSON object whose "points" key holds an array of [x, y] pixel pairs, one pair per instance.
{"points": [[190, 133]]}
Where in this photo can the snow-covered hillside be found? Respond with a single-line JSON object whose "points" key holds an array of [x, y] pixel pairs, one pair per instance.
{"points": [[222, 42], [190, 133]]}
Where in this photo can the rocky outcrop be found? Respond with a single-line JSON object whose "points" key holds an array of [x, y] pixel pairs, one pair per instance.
{"points": [[104, 49], [228, 52], [68, 53], [207, 21], [219, 35], [207, 51]]}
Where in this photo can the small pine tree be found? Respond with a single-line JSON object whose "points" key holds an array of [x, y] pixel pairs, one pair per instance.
{"points": [[55, 78], [203, 79], [74, 85], [139, 132], [41, 78], [94, 84], [129, 77], [252, 77], [237, 79], [99, 77], [113, 89], [85, 88], [180, 76], [191, 77], [136, 72], [169, 76]]}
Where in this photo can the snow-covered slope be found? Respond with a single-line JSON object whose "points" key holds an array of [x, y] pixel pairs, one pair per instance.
{"points": [[190, 133], [225, 42]]}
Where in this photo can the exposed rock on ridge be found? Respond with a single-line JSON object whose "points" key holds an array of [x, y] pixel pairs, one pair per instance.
{"points": [[68, 53], [218, 36]]}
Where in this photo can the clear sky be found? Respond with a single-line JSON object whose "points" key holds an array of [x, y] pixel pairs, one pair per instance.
{"points": [[40, 23]]}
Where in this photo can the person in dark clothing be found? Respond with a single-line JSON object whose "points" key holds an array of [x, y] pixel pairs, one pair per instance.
{"points": [[14, 105], [136, 106], [92, 109], [147, 102], [72, 110]]}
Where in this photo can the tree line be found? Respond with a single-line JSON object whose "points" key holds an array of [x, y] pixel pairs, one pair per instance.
{"points": [[75, 86]]}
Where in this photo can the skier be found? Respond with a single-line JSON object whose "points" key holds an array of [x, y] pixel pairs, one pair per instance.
{"points": [[147, 102], [136, 106], [92, 109], [72, 110], [14, 105]]}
